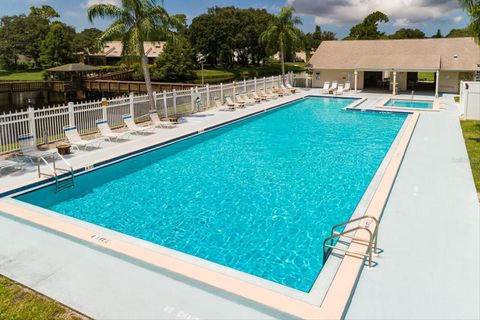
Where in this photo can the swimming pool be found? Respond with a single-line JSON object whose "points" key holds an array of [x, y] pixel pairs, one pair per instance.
{"points": [[417, 104], [258, 196]]}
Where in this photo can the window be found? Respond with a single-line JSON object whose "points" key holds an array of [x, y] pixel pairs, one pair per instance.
{"points": [[317, 75]]}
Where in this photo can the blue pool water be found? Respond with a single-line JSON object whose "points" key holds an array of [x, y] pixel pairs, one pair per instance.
{"points": [[419, 104], [259, 196]]}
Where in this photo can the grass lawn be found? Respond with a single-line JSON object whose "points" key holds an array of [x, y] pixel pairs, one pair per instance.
{"points": [[426, 76], [19, 303], [471, 133], [217, 75], [21, 75]]}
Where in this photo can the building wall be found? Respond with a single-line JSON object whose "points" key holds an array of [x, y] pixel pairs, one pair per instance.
{"points": [[449, 82], [342, 76]]}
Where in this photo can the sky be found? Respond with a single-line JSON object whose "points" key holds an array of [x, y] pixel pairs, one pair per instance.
{"points": [[334, 15]]}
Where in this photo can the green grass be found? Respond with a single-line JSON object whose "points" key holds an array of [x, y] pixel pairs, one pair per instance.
{"points": [[471, 133], [21, 75], [217, 75], [426, 76], [19, 303]]}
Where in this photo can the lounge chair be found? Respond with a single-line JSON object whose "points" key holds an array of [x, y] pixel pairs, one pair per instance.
{"points": [[339, 90], [326, 87], [333, 88], [161, 123], [107, 133], [76, 141], [286, 91], [132, 126], [29, 149], [267, 96], [12, 165], [230, 103], [347, 87], [246, 102], [221, 107], [257, 98], [276, 94], [292, 89]]}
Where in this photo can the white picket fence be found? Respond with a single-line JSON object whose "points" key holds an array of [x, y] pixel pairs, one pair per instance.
{"points": [[46, 124]]}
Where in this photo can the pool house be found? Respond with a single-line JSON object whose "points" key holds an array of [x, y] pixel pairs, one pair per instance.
{"points": [[425, 65]]}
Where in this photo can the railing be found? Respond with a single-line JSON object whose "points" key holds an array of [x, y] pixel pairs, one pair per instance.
{"points": [[104, 85], [46, 124], [25, 86], [54, 172]]}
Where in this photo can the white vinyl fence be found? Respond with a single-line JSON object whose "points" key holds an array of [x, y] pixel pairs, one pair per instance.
{"points": [[470, 100], [46, 124]]}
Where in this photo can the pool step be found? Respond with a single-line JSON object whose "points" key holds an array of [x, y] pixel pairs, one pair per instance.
{"points": [[54, 172], [362, 223], [64, 184]]}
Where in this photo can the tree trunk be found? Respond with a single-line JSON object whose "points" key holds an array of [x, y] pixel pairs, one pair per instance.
{"points": [[282, 60], [146, 76]]}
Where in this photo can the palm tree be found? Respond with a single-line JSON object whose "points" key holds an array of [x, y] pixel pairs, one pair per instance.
{"points": [[473, 9], [135, 21], [281, 33]]}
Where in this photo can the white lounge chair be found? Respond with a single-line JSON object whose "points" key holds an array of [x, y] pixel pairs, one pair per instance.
{"points": [[76, 141], [161, 123], [291, 88], [221, 107], [246, 102], [347, 87], [257, 98], [229, 102], [107, 133], [333, 88], [286, 91], [275, 94], [247, 99], [266, 95], [339, 90], [132, 126], [326, 87], [12, 165], [29, 149]]}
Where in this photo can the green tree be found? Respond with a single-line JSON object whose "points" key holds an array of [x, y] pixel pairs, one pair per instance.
{"points": [[438, 35], [176, 63], [87, 40], [314, 39], [406, 33], [282, 33], [459, 33], [57, 48], [368, 28], [136, 21], [473, 9]]}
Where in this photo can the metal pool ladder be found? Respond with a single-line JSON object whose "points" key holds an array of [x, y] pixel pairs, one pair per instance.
{"points": [[371, 242], [60, 184]]}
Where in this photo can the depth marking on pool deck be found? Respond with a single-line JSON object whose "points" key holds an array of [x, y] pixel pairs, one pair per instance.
{"points": [[337, 297]]}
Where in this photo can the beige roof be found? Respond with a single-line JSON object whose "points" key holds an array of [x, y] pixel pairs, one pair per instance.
{"points": [[113, 49], [456, 54], [74, 67]]}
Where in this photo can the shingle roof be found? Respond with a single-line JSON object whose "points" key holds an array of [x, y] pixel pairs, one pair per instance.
{"points": [[113, 49], [74, 67], [456, 54]]}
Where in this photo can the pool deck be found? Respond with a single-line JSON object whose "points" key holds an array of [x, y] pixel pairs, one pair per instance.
{"points": [[429, 234]]}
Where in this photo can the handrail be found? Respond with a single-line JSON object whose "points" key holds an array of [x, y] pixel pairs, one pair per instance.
{"points": [[355, 220], [54, 169], [54, 173]]}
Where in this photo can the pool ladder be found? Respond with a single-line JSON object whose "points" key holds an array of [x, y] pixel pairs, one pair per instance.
{"points": [[55, 172], [354, 234]]}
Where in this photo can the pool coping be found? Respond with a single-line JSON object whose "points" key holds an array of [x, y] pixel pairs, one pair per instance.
{"points": [[349, 268]]}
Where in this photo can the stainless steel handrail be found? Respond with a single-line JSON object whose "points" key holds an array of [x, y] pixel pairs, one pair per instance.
{"points": [[54, 169]]}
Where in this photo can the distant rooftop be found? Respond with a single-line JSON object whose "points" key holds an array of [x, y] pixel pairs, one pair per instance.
{"points": [[447, 54], [114, 49], [74, 67]]}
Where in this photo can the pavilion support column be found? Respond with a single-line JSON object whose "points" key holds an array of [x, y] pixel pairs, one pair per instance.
{"points": [[394, 91], [356, 81], [437, 80]]}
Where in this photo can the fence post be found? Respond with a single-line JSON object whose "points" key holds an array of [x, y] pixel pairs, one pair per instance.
{"points": [[31, 124], [208, 97], [165, 106], [244, 85], [71, 115], [174, 97], [191, 99], [155, 100], [221, 93], [104, 105], [132, 108], [264, 83], [255, 83], [233, 90]]}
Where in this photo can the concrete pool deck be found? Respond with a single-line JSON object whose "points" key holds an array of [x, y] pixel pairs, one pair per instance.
{"points": [[131, 291]]}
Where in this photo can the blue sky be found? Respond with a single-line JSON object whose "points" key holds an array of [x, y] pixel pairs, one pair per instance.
{"points": [[334, 15]]}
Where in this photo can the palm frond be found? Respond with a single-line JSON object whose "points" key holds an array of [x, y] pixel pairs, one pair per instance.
{"points": [[103, 11]]}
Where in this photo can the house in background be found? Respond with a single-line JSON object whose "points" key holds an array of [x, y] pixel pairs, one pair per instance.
{"points": [[394, 65], [112, 53]]}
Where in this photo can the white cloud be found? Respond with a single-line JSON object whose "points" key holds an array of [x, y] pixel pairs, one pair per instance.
{"points": [[457, 19], [93, 2], [401, 12]]}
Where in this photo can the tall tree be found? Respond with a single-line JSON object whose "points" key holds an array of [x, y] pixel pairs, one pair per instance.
{"points": [[368, 28], [87, 40], [459, 33], [136, 21], [57, 48], [282, 33], [314, 39], [176, 62], [438, 35], [406, 33], [473, 9]]}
